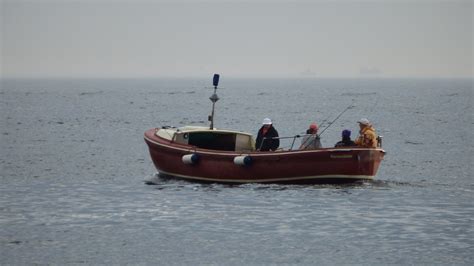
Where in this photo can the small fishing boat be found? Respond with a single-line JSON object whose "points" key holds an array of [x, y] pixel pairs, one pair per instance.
{"points": [[208, 154]]}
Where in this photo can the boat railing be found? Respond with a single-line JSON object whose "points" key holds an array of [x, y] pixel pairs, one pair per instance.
{"points": [[290, 137], [379, 140]]}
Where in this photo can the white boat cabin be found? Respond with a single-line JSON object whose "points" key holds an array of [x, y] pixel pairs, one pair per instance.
{"points": [[213, 139]]}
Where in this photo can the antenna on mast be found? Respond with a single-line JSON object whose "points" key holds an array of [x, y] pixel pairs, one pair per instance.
{"points": [[214, 98]]}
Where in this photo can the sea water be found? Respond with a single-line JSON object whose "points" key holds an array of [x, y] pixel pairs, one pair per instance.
{"points": [[75, 173]]}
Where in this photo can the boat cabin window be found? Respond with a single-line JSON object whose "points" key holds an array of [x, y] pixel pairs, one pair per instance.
{"points": [[223, 141], [209, 140]]}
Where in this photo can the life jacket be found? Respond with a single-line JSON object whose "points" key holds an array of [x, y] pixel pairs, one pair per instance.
{"points": [[367, 138]]}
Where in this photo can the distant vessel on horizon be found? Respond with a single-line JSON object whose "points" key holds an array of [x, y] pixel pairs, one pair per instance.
{"points": [[308, 73]]}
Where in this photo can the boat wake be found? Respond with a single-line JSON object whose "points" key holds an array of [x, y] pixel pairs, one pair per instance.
{"points": [[163, 179], [152, 179]]}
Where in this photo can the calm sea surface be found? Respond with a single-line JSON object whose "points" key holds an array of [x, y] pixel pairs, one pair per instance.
{"points": [[74, 172]]}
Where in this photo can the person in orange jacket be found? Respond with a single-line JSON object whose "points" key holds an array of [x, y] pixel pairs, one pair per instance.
{"points": [[367, 136]]}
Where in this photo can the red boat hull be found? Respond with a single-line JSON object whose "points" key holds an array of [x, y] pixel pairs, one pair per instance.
{"points": [[328, 165]]}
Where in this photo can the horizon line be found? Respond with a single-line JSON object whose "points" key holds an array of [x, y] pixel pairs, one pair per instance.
{"points": [[233, 77]]}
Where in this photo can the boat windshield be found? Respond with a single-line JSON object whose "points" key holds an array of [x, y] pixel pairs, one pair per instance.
{"points": [[217, 140]]}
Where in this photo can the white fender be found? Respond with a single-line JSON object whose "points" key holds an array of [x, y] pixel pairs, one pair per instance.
{"points": [[243, 160], [192, 158]]}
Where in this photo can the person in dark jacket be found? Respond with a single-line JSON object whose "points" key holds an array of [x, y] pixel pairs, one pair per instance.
{"points": [[266, 137], [346, 139]]}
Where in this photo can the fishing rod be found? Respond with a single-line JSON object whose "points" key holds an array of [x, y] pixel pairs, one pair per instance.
{"points": [[309, 139], [318, 135], [324, 121], [330, 124]]}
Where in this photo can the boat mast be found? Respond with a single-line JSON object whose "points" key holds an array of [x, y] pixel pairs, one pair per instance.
{"points": [[214, 98]]}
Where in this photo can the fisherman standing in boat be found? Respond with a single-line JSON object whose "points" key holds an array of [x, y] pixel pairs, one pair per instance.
{"points": [[367, 136], [312, 139], [267, 138]]}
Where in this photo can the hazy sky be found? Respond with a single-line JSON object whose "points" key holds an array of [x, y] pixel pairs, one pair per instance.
{"points": [[107, 38]]}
